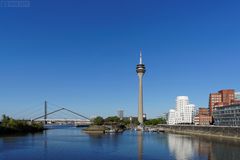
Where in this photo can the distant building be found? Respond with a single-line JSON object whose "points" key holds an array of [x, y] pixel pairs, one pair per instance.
{"points": [[164, 116], [144, 116], [203, 117], [222, 98], [120, 114], [227, 115], [184, 112], [237, 96]]}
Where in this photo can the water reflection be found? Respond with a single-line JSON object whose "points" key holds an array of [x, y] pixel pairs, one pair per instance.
{"points": [[140, 144], [181, 147], [204, 148], [72, 143], [222, 149], [207, 148], [45, 141]]}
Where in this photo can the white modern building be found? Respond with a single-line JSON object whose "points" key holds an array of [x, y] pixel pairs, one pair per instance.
{"points": [[184, 112], [189, 113], [171, 117], [181, 102]]}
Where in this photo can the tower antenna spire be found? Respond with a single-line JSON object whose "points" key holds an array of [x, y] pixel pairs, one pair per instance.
{"points": [[140, 56]]}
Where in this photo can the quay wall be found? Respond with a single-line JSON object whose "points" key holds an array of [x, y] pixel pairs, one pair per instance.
{"points": [[217, 131]]}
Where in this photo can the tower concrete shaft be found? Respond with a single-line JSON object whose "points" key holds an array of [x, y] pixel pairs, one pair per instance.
{"points": [[140, 99], [140, 71]]}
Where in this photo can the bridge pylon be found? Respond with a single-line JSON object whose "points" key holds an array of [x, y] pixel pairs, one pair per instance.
{"points": [[45, 112]]}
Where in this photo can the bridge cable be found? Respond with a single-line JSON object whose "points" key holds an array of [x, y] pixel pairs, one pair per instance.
{"points": [[71, 111]]}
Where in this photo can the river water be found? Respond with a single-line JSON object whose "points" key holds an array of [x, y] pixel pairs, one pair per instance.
{"points": [[74, 144]]}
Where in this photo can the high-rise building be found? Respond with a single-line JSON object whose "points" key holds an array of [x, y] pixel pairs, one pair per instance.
{"points": [[181, 102], [184, 112], [120, 114], [222, 98], [140, 71]]}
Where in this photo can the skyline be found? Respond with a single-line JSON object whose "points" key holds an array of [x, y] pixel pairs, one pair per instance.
{"points": [[83, 54]]}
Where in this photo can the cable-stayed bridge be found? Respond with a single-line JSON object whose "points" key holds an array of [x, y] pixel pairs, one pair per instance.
{"points": [[58, 116]]}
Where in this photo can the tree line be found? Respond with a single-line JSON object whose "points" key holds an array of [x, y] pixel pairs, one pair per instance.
{"points": [[114, 119], [11, 126]]}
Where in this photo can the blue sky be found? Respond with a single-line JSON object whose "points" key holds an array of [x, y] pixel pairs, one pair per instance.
{"points": [[82, 54]]}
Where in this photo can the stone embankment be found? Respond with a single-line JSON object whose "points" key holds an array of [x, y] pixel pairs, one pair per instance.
{"points": [[216, 131]]}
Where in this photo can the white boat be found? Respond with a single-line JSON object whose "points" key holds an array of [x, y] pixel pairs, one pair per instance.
{"points": [[110, 131]]}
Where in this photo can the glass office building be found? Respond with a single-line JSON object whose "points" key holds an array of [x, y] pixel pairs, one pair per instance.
{"points": [[227, 115]]}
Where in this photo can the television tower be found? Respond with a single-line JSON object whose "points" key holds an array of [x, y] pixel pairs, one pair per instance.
{"points": [[140, 71]]}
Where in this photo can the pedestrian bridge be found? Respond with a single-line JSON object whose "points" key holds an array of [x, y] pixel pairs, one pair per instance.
{"points": [[81, 121]]}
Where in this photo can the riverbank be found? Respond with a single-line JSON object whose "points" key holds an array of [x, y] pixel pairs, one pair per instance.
{"points": [[12, 126], [17, 130], [213, 131]]}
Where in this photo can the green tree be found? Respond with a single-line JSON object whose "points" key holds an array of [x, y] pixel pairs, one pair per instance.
{"points": [[5, 120], [98, 121], [112, 119], [155, 121], [126, 121]]}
